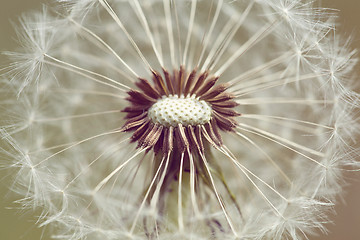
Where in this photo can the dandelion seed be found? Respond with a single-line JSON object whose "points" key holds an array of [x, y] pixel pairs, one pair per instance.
{"points": [[159, 119]]}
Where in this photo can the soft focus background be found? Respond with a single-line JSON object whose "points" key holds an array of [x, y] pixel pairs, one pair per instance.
{"points": [[19, 225]]}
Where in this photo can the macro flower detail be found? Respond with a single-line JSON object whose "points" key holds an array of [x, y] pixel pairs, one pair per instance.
{"points": [[179, 111], [189, 119]]}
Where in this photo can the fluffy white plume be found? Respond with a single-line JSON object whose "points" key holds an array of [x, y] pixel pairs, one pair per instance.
{"points": [[274, 175]]}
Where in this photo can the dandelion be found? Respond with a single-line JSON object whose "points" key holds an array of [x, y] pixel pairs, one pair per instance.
{"points": [[190, 119]]}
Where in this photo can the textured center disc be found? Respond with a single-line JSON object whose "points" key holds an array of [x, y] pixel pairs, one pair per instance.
{"points": [[172, 110]]}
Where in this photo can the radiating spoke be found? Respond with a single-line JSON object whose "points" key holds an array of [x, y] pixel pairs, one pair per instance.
{"points": [[78, 143], [258, 36], [268, 158], [142, 205], [112, 13], [305, 126], [284, 100], [64, 67], [88, 92], [168, 21], [209, 33], [229, 221], [286, 146], [101, 41], [180, 210], [276, 83], [116, 170], [118, 146], [77, 116], [228, 33], [149, 34], [190, 31], [260, 68], [286, 141], [192, 185], [246, 172]]}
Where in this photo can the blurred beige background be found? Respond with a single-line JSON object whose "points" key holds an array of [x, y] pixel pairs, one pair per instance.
{"points": [[16, 225]]}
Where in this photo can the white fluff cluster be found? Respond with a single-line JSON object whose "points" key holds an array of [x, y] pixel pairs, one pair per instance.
{"points": [[278, 172]]}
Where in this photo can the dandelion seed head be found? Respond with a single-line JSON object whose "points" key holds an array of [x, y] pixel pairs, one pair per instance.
{"points": [[186, 119]]}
